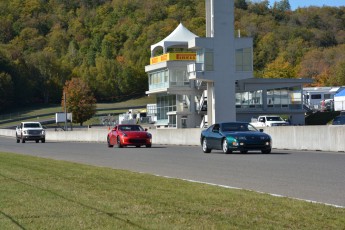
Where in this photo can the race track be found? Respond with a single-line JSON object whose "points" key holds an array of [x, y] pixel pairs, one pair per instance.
{"points": [[308, 175]]}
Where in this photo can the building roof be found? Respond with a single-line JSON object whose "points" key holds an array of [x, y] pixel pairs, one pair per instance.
{"points": [[340, 94], [178, 38]]}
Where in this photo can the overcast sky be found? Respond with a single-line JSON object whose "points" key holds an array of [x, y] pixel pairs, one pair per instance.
{"points": [[304, 3]]}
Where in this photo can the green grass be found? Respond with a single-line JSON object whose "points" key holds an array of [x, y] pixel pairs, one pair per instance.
{"points": [[40, 111], [38, 193]]}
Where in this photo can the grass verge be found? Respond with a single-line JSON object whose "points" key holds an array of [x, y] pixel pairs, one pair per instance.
{"points": [[38, 193]]}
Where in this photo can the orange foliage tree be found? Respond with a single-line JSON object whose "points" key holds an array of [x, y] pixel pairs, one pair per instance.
{"points": [[79, 100]]}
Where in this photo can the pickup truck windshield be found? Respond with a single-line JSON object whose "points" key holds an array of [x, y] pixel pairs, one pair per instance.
{"points": [[32, 125], [274, 119]]}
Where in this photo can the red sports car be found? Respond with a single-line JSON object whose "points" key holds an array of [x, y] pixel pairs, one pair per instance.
{"points": [[125, 135]]}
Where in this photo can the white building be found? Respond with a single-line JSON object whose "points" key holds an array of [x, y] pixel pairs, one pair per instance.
{"points": [[210, 80]]}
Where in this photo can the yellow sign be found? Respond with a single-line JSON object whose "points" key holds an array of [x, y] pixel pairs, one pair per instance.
{"points": [[173, 57]]}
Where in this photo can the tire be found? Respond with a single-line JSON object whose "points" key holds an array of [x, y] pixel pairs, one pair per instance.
{"points": [[23, 141], [17, 139], [148, 146], [108, 142], [137, 146], [225, 147], [119, 145], [244, 151], [43, 140], [266, 151], [205, 148], [37, 141]]}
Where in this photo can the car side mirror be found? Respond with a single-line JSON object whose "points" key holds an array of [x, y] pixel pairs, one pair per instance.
{"points": [[113, 129], [261, 130], [145, 129]]}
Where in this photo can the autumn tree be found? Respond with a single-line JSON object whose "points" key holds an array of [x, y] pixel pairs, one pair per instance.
{"points": [[279, 68], [79, 100]]}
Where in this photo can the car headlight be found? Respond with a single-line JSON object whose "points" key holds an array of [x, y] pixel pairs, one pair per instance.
{"points": [[123, 134], [43, 132], [149, 135], [24, 132]]}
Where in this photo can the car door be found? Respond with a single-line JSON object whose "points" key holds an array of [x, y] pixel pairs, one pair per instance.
{"points": [[113, 135], [215, 137]]}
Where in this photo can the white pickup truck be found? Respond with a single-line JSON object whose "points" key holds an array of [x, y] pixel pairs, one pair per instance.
{"points": [[268, 120], [30, 131]]}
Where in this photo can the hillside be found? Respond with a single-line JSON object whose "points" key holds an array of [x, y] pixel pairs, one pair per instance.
{"points": [[107, 43]]}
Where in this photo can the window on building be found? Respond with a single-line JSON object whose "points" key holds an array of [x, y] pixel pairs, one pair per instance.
{"points": [[244, 59], [205, 57], [172, 120], [250, 99], [151, 109], [165, 104], [288, 98], [158, 79], [179, 77]]}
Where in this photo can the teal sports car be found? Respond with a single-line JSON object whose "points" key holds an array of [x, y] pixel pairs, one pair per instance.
{"points": [[235, 136]]}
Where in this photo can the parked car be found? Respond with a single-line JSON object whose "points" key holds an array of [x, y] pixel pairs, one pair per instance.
{"points": [[30, 131], [235, 136], [268, 120], [126, 135], [339, 120]]}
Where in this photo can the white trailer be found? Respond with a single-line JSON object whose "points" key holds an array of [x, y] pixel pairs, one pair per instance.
{"points": [[339, 101]]}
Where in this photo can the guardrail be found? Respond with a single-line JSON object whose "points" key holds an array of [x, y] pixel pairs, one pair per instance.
{"points": [[322, 138]]}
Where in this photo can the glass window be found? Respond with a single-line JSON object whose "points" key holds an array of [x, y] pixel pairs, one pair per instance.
{"points": [[208, 60], [179, 77], [172, 120], [158, 79], [251, 99], [205, 56], [243, 58], [165, 104], [315, 96]]}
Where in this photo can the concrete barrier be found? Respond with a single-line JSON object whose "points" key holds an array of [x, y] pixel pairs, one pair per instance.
{"points": [[323, 138]]}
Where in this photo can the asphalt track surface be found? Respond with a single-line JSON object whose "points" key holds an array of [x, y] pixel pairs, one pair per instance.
{"points": [[308, 175]]}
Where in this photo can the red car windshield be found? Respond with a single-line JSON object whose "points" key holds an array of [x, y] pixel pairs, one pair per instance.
{"points": [[131, 128]]}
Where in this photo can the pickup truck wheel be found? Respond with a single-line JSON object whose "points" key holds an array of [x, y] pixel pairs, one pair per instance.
{"points": [[37, 141], [43, 140], [22, 138], [17, 138]]}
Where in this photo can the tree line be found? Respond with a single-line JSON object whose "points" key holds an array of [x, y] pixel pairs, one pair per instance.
{"points": [[106, 43]]}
